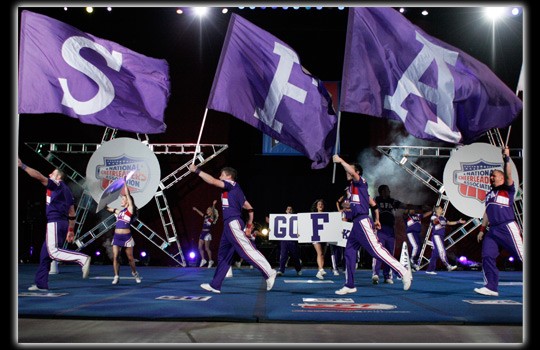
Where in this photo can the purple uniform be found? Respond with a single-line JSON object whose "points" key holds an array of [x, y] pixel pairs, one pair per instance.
{"points": [[289, 249], [207, 226], [234, 238], [58, 201], [438, 231], [363, 234], [413, 229], [503, 232], [123, 221], [386, 234]]}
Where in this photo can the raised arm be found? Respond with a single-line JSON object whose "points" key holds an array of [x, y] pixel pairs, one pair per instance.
{"points": [[33, 173], [131, 205], [508, 180], [198, 211], [206, 177], [348, 168]]}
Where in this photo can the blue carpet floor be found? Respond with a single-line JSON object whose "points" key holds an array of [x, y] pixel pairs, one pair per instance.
{"points": [[172, 293]]}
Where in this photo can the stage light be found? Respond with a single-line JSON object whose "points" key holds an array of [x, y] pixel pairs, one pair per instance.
{"points": [[264, 231], [401, 10], [515, 11], [494, 12], [192, 255], [425, 13], [97, 253], [200, 11], [511, 259], [89, 9], [144, 258], [109, 8], [463, 260], [224, 11], [179, 11]]}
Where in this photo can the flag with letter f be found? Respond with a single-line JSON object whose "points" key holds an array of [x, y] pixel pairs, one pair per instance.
{"points": [[260, 80], [392, 69], [64, 70]]}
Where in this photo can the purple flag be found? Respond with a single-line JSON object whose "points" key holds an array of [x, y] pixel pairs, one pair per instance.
{"points": [[393, 69], [63, 70], [259, 80]]}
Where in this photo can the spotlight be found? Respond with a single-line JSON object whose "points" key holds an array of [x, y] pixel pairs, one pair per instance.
{"points": [[144, 258], [192, 255], [264, 231]]}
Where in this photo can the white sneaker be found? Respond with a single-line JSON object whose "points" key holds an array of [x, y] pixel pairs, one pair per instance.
{"points": [[115, 279], [238, 264], [345, 290], [137, 277], [485, 291], [229, 273], [210, 263], [86, 268], [407, 280], [279, 273], [336, 272], [299, 273], [389, 281], [35, 288], [270, 280], [451, 267], [375, 279], [251, 267], [320, 274], [203, 262], [209, 288], [431, 272]]}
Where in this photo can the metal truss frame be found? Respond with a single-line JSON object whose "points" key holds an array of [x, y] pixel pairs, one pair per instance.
{"points": [[404, 157], [171, 245]]}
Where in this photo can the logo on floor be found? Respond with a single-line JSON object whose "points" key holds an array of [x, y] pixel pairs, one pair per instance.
{"points": [[493, 302], [339, 305], [42, 295], [183, 298]]}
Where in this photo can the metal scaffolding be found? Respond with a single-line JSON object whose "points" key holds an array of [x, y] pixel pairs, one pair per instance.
{"points": [[405, 156], [171, 244]]}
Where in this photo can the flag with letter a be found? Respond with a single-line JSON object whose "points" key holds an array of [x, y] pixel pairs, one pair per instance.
{"points": [[64, 70], [260, 80], [392, 69]]}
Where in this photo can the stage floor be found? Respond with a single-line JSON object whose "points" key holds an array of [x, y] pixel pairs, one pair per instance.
{"points": [[170, 307]]}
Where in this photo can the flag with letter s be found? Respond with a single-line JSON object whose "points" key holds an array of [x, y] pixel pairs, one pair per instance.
{"points": [[260, 81], [392, 69], [64, 70]]}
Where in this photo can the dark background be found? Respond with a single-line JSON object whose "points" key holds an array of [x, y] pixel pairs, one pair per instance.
{"points": [[192, 48]]}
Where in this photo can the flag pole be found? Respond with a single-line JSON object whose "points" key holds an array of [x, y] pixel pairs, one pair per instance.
{"points": [[336, 146], [508, 136], [198, 146]]}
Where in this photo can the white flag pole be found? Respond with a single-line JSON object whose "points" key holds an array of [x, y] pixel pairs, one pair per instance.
{"points": [[336, 146], [198, 146]]}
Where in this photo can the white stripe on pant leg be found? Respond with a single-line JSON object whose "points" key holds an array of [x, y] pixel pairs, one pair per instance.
{"points": [[412, 241], [516, 238], [247, 247], [379, 249], [440, 248], [61, 254]]}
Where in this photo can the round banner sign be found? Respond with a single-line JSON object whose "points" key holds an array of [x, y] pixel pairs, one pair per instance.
{"points": [[466, 176], [124, 157]]}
